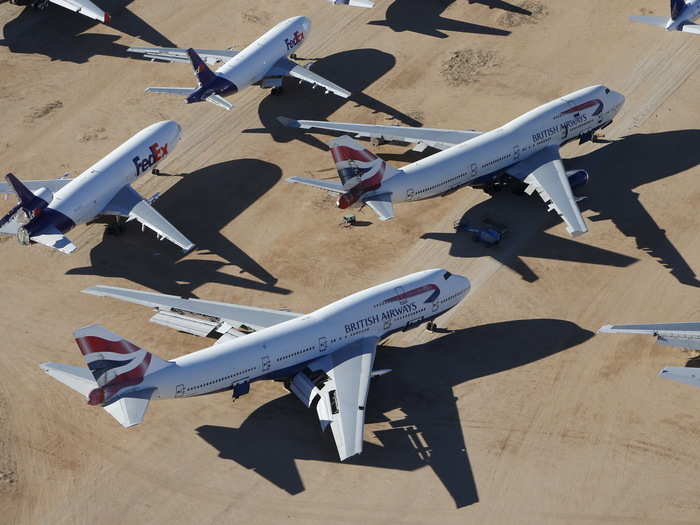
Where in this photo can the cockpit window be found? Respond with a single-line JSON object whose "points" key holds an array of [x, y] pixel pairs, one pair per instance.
{"points": [[447, 275], [607, 91]]}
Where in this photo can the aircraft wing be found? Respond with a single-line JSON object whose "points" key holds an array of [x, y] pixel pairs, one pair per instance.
{"points": [[286, 68], [53, 238], [687, 375], [544, 173], [327, 185], [198, 317], [382, 206], [128, 203], [54, 185], [84, 7], [343, 396], [422, 137], [684, 335], [174, 54]]}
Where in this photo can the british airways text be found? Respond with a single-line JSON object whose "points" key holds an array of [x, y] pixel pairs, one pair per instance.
{"points": [[158, 153]]}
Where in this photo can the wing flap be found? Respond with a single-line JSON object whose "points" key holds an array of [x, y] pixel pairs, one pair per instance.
{"points": [[175, 54], [423, 137], [220, 313], [287, 68], [544, 173]]}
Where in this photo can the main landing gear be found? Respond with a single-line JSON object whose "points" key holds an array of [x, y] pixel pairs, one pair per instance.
{"points": [[277, 91], [117, 228]]}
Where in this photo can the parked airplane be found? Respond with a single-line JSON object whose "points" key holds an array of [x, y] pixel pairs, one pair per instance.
{"points": [[264, 62], [685, 335], [523, 154], [84, 7], [683, 13], [325, 357], [48, 209]]}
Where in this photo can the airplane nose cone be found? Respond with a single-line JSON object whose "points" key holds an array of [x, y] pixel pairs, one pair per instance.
{"points": [[619, 98], [462, 283]]}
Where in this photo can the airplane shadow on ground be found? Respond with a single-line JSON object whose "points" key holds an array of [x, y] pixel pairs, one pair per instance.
{"points": [[302, 101], [60, 34], [423, 16], [421, 386], [615, 170], [200, 204]]}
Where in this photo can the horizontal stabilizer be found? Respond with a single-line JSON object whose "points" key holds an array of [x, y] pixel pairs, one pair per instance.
{"points": [[9, 228], [327, 185], [382, 206], [53, 238], [687, 375], [79, 379], [175, 54], [84, 7], [656, 21], [171, 90], [220, 101], [130, 409], [691, 28]]}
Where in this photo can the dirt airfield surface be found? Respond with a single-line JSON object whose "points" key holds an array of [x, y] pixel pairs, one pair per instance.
{"points": [[520, 415]]}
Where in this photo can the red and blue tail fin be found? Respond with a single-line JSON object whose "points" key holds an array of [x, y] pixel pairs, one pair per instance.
{"points": [[201, 70], [114, 362], [358, 168]]}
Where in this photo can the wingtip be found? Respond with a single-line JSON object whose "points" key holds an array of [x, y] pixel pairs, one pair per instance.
{"points": [[606, 329]]}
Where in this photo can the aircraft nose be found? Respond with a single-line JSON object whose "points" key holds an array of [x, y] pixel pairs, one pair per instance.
{"points": [[619, 98], [463, 283]]}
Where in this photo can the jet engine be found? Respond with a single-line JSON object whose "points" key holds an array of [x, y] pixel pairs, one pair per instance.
{"points": [[577, 178]]}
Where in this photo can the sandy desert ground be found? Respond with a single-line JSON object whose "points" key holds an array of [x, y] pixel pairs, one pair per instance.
{"points": [[521, 415]]}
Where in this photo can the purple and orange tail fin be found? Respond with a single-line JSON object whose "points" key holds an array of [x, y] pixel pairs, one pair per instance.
{"points": [[201, 70], [25, 195], [114, 362]]}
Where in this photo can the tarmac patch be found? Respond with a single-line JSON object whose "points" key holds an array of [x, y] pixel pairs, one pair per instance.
{"points": [[465, 66], [537, 12]]}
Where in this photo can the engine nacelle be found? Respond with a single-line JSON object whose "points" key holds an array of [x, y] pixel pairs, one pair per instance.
{"points": [[577, 178]]}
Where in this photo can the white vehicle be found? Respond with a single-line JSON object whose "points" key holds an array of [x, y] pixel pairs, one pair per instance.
{"points": [[524, 154], [683, 14], [325, 357], [264, 62], [48, 209], [684, 335], [84, 7]]}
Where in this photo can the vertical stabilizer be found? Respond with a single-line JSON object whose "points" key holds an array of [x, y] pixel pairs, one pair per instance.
{"points": [[201, 70], [114, 362], [676, 8], [26, 197]]}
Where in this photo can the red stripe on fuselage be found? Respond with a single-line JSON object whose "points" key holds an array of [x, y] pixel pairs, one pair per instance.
{"points": [[583, 106]]}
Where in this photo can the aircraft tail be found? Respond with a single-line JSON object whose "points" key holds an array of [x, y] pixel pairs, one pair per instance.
{"points": [[24, 194], [201, 70], [115, 363], [676, 8], [357, 166]]}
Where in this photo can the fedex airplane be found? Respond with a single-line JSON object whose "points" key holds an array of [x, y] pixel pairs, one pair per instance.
{"points": [[684, 335], [683, 13], [48, 209], [84, 7], [264, 62], [325, 358], [522, 154]]}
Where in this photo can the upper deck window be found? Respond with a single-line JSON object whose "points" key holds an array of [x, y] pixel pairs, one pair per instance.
{"points": [[446, 275]]}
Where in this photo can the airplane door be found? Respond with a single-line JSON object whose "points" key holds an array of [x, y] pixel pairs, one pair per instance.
{"points": [[410, 194], [564, 131], [516, 152], [473, 169], [179, 390], [265, 363], [322, 344]]}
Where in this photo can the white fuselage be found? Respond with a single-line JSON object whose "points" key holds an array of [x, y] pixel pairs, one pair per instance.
{"points": [[254, 62], [87, 195], [552, 124], [688, 14], [282, 350]]}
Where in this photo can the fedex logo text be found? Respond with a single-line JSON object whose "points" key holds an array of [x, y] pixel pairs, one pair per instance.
{"points": [[157, 154], [296, 39]]}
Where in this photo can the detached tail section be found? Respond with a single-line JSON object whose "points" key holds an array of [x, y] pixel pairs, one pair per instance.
{"points": [[116, 367], [201, 70]]}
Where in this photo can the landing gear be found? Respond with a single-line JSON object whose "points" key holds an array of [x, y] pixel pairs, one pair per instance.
{"points": [[431, 326], [277, 90], [117, 228]]}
